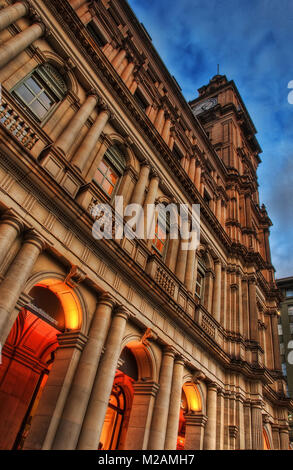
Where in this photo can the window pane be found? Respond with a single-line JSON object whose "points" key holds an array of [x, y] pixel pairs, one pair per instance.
{"points": [[33, 85], [46, 100], [103, 168], [38, 109], [107, 187], [25, 94], [112, 177], [98, 177]]}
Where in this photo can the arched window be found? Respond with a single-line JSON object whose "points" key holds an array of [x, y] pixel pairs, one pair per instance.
{"points": [[110, 170], [40, 91]]}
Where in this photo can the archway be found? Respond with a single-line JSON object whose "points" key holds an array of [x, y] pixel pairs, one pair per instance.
{"points": [[266, 440], [120, 403], [190, 404], [28, 356], [129, 403]]}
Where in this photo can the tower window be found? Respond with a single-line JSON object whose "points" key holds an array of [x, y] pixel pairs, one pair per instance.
{"points": [[40, 91]]}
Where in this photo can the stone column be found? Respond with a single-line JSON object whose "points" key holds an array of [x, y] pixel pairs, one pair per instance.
{"points": [[173, 247], [14, 46], [276, 343], [91, 139], [10, 228], [194, 434], [191, 169], [253, 320], [139, 189], [149, 215], [198, 176], [190, 271], [117, 61], [141, 414], [217, 291], [74, 411], [70, 134], [211, 426], [276, 436], [174, 406], [239, 304], [98, 403], [159, 121], [161, 409], [13, 13], [220, 419], [256, 426], [284, 438], [241, 426], [77, 3], [166, 130], [53, 399], [127, 71], [15, 280], [247, 425]]}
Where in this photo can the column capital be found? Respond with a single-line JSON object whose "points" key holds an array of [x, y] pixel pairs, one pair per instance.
{"points": [[179, 359], [233, 431], [72, 339], [10, 218], [196, 419], [145, 163], [121, 311], [106, 299], [32, 237], [212, 386], [146, 388], [94, 92], [154, 174], [105, 108], [169, 351]]}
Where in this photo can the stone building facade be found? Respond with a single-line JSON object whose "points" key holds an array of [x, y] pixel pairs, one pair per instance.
{"points": [[121, 343], [285, 286]]}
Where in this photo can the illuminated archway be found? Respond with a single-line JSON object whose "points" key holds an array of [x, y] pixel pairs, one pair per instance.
{"points": [[135, 365], [266, 440], [190, 403], [28, 355]]}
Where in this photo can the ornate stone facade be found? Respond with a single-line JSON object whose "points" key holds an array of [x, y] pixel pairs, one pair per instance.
{"points": [[127, 344]]}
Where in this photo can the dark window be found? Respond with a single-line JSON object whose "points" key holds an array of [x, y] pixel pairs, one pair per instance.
{"points": [[176, 152], [199, 282], [207, 197], [40, 91], [141, 100], [96, 34]]}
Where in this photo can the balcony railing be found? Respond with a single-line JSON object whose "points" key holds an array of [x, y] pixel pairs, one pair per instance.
{"points": [[15, 120]]}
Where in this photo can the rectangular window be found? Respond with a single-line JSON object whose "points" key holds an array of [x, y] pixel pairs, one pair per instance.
{"points": [[141, 100], [289, 293], [199, 284], [35, 95], [161, 236], [106, 177], [96, 34]]}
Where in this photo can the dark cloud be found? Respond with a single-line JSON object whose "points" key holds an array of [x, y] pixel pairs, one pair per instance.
{"points": [[252, 42]]}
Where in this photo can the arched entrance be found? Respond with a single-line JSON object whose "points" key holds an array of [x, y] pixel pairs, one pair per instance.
{"points": [[266, 440], [28, 356], [130, 400], [190, 404], [120, 403]]}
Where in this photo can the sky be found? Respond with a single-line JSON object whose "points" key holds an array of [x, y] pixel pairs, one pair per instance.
{"points": [[252, 41]]}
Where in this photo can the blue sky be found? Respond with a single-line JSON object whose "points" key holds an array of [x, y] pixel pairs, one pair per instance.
{"points": [[252, 40]]}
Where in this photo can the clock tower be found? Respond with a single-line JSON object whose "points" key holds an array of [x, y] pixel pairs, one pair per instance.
{"points": [[222, 113]]}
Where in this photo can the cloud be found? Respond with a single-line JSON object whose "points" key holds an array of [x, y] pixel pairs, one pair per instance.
{"points": [[252, 42]]}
